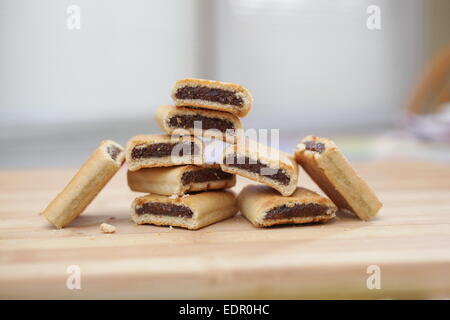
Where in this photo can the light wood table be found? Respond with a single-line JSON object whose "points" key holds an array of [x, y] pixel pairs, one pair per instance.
{"points": [[409, 241]]}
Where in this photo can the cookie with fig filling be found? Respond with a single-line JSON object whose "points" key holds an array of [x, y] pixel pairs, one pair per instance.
{"points": [[263, 164], [193, 211], [264, 207], [214, 95], [334, 174], [157, 150], [195, 121], [179, 180], [95, 173]]}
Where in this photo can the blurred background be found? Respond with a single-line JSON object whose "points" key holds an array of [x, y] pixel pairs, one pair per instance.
{"points": [[313, 67]]}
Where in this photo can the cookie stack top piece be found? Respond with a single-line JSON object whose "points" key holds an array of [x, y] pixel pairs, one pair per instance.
{"points": [[213, 95]]}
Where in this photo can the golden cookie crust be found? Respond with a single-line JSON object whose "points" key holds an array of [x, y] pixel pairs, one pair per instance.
{"points": [[167, 161], [86, 184], [208, 207], [334, 174], [240, 91], [168, 180], [254, 201]]}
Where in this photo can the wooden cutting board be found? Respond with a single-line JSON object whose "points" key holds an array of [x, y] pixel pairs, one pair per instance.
{"points": [[409, 242]]}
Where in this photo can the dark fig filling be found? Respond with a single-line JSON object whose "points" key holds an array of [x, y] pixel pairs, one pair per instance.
{"points": [[164, 209], [203, 175], [209, 94], [304, 210], [246, 164], [113, 151], [159, 150], [188, 121], [318, 147]]}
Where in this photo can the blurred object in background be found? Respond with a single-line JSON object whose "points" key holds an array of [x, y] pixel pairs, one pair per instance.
{"points": [[431, 126], [401, 145], [428, 112], [437, 26]]}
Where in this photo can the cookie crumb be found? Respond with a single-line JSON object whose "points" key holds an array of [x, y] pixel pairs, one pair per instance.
{"points": [[107, 228]]}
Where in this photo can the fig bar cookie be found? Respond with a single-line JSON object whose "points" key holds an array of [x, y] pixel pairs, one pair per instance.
{"points": [[265, 207], [328, 167], [194, 121], [215, 95], [148, 151], [262, 164], [86, 184], [189, 211], [180, 179]]}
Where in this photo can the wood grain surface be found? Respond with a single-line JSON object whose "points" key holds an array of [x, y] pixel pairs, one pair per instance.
{"points": [[409, 241]]}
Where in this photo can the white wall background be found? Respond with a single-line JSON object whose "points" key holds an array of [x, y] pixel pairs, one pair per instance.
{"points": [[315, 65], [121, 62]]}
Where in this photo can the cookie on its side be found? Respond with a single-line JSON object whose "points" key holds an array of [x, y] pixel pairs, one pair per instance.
{"points": [[263, 164], [192, 211], [184, 120], [86, 184], [332, 172], [180, 179], [149, 151], [210, 94], [265, 207]]}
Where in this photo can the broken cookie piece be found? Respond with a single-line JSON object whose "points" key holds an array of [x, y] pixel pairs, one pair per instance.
{"points": [[265, 207], [332, 172], [195, 121], [86, 184], [179, 180], [148, 151], [210, 94], [107, 228], [191, 212], [262, 164]]}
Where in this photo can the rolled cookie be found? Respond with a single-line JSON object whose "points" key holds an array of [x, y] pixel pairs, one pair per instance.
{"points": [[194, 121], [332, 172], [148, 151], [265, 207], [189, 211], [86, 184], [262, 164], [180, 179], [210, 94]]}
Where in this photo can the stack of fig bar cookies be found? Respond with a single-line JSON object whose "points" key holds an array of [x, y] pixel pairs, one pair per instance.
{"points": [[184, 190]]}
